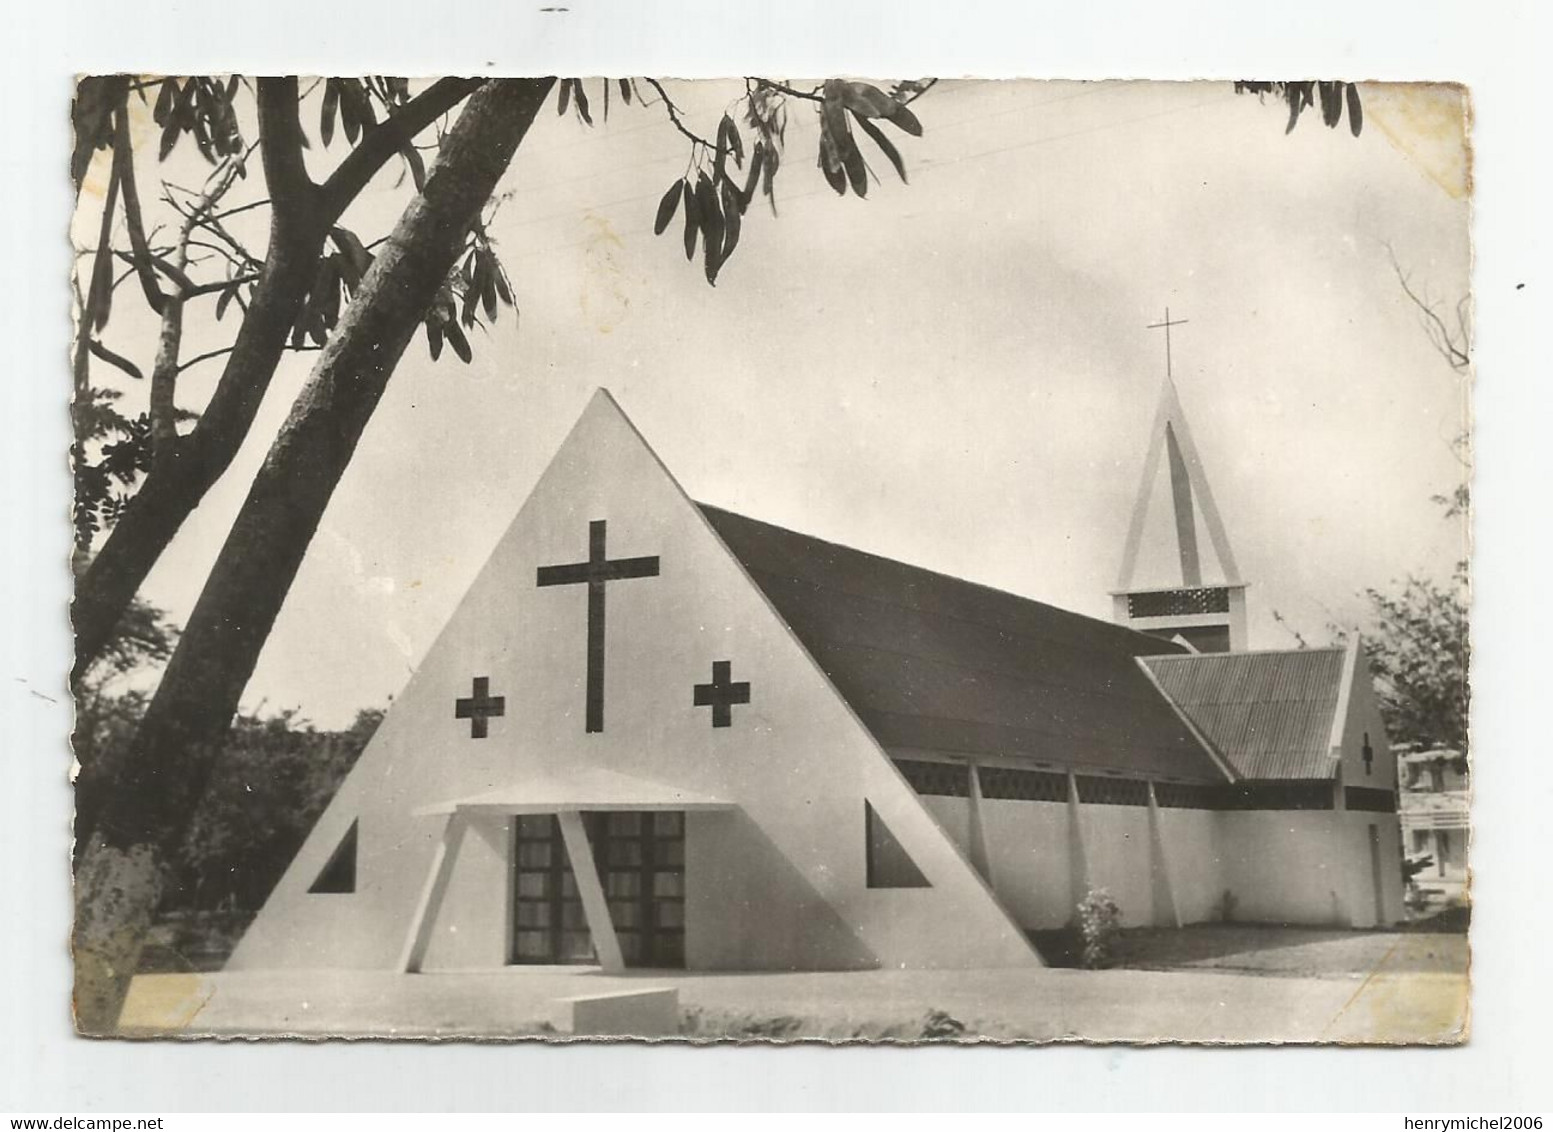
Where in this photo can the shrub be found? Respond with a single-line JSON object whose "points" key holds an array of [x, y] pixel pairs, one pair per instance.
{"points": [[1100, 922], [940, 1026]]}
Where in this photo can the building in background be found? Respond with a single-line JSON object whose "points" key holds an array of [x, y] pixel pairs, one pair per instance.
{"points": [[1435, 800]]}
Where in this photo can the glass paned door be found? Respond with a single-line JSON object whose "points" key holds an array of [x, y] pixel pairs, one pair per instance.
{"points": [[549, 925], [640, 858]]}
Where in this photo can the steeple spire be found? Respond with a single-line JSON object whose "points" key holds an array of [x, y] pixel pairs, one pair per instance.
{"points": [[1174, 601]]}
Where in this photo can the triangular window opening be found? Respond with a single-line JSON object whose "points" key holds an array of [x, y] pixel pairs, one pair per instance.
{"points": [[339, 875], [888, 863]]}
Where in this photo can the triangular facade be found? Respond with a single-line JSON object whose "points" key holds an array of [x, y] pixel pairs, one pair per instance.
{"points": [[617, 750]]}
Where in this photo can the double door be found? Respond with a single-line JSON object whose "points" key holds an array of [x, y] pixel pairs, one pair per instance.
{"points": [[640, 857]]}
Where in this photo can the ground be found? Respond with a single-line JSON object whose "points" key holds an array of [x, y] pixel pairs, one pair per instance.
{"points": [[1254, 949], [1203, 984]]}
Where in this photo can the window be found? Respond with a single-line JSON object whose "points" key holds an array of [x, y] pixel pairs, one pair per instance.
{"points": [[1178, 603], [1188, 796], [339, 875], [1006, 782], [1094, 790], [887, 863], [950, 779]]}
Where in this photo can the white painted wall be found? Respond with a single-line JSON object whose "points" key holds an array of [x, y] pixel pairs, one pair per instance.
{"points": [[796, 763], [1311, 867], [1192, 842], [1028, 854]]}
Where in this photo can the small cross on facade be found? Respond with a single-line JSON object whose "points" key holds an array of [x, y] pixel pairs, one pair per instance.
{"points": [[479, 707], [1166, 325], [1369, 753], [722, 693]]}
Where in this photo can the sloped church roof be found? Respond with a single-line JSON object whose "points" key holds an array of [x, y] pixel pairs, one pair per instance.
{"points": [[934, 663], [1269, 714]]}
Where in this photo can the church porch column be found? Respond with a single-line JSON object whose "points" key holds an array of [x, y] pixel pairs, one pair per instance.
{"points": [[418, 938], [1078, 859], [594, 903], [1166, 910]]}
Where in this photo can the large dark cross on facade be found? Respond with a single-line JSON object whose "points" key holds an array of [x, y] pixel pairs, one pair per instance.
{"points": [[479, 706], [722, 693], [596, 572]]}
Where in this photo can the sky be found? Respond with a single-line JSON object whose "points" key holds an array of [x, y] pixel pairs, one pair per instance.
{"points": [[957, 372]]}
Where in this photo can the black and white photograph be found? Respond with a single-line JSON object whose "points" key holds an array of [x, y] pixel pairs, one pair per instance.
{"points": [[895, 559]]}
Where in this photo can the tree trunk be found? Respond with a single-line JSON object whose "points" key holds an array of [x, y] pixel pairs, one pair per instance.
{"points": [[181, 735]]}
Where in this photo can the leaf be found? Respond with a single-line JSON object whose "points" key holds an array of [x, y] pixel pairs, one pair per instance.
{"points": [[728, 140], [606, 100], [773, 160], [502, 290], [692, 221], [864, 100], [834, 174], [169, 138], [226, 298], [732, 222], [625, 91], [326, 116], [712, 226], [1331, 102], [757, 158], [566, 98], [412, 158], [884, 144], [358, 257], [459, 343], [667, 207], [488, 273], [471, 298], [582, 102], [164, 101], [1355, 111], [434, 339], [905, 119]]}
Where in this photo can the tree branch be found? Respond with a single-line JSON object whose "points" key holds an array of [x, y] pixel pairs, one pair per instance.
{"points": [[216, 285], [280, 133], [306, 347], [811, 96], [379, 143], [673, 112], [1455, 348]]}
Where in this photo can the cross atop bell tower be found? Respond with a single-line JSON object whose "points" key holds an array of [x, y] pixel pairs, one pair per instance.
{"points": [[1168, 587], [1165, 326]]}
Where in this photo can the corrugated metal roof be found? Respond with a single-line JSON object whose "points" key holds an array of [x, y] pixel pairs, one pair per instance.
{"points": [[934, 662], [1268, 713]]}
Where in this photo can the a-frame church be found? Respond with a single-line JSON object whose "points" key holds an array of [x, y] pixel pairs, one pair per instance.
{"points": [[658, 734]]}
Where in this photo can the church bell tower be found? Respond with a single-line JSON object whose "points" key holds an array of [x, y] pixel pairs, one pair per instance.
{"points": [[1179, 579]]}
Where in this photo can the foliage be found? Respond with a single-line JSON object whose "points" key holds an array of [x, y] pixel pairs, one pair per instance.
{"points": [[206, 256], [1100, 922], [1301, 96], [714, 201], [940, 1026], [1225, 908], [269, 786], [1421, 653], [274, 777]]}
